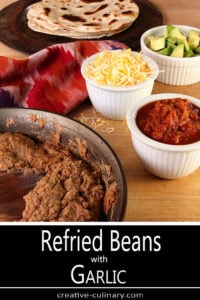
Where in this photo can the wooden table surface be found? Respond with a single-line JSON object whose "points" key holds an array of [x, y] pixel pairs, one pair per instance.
{"points": [[149, 198]]}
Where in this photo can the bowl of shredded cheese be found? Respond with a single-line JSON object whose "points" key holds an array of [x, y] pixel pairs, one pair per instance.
{"points": [[115, 79]]}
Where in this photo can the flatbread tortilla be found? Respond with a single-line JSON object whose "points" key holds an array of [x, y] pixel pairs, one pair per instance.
{"points": [[86, 19]]}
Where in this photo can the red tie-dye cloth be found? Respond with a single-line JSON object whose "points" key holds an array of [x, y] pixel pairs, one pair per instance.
{"points": [[49, 79]]}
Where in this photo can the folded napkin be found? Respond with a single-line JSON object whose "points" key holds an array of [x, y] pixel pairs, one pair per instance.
{"points": [[49, 79]]}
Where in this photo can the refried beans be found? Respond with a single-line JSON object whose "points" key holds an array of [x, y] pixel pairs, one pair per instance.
{"points": [[72, 186], [170, 121]]}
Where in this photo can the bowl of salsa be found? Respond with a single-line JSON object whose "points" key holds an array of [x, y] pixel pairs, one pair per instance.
{"points": [[165, 131]]}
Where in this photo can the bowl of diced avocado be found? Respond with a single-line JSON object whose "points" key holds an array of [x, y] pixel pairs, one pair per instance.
{"points": [[176, 50]]}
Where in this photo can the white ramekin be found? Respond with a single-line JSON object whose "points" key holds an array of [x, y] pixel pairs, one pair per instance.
{"points": [[173, 70], [114, 102], [163, 160]]}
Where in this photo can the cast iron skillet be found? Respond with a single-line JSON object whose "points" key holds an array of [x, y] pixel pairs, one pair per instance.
{"points": [[42, 125]]}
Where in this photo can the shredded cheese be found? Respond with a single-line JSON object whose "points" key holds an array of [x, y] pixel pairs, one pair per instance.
{"points": [[118, 68], [95, 122]]}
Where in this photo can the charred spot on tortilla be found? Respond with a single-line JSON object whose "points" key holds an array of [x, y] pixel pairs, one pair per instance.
{"points": [[73, 18]]}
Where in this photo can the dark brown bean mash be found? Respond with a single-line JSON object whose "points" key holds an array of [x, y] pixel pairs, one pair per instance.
{"points": [[73, 187], [170, 121]]}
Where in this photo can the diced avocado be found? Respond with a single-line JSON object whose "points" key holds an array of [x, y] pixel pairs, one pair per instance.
{"points": [[178, 51], [186, 45], [175, 33], [179, 42], [165, 51], [193, 39], [185, 42], [189, 53], [170, 46], [156, 43], [172, 40], [175, 43], [168, 30], [197, 50]]}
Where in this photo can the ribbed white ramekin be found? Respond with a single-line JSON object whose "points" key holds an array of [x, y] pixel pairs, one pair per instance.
{"points": [[173, 70], [114, 102], [163, 160]]}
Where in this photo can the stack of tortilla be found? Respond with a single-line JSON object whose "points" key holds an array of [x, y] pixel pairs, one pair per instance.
{"points": [[82, 19]]}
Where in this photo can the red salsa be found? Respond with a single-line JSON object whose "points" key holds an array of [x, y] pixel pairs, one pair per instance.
{"points": [[170, 121]]}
